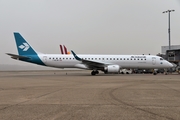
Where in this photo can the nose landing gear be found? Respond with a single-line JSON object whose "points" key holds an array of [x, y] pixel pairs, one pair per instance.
{"points": [[154, 72]]}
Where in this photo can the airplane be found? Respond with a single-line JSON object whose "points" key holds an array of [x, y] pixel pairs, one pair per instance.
{"points": [[96, 63], [63, 50]]}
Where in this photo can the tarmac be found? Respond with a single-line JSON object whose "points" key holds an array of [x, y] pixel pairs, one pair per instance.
{"points": [[76, 95]]}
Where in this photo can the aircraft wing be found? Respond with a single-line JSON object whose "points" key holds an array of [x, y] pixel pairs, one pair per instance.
{"points": [[17, 56], [89, 63]]}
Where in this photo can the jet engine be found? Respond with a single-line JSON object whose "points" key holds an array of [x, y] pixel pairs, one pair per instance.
{"points": [[112, 69]]}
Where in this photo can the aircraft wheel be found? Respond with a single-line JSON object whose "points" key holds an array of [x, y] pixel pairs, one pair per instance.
{"points": [[97, 72], [93, 73], [154, 73]]}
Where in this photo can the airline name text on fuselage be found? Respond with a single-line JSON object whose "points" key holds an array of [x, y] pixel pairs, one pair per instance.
{"points": [[138, 56]]}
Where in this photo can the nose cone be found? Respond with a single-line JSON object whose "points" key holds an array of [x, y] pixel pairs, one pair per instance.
{"points": [[170, 65]]}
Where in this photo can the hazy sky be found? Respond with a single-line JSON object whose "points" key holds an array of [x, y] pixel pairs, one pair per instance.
{"points": [[88, 26]]}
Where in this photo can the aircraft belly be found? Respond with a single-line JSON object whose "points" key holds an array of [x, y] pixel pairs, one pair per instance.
{"points": [[130, 64], [60, 64]]}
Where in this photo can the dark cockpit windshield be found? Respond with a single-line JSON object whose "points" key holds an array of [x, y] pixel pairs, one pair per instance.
{"points": [[161, 59]]}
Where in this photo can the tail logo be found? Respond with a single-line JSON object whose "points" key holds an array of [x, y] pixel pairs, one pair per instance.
{"points": [[25, 46]]}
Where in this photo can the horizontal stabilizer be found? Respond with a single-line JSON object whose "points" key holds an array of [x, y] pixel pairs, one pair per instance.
{"points": [[17, 56]]}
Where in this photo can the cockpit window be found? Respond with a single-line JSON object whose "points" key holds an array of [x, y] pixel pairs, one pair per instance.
{"points": [[161, 59]]}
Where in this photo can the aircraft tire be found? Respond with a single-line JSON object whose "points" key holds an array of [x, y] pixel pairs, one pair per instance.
{"points": [[93, 73], [97, 72]]}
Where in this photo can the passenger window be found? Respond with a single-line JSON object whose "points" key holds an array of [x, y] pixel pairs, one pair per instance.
{"points": [[124, 59], [127, 58], [114, 58]]}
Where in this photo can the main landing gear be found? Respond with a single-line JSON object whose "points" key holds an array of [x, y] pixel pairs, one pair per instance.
{"points": [[94, 72]]}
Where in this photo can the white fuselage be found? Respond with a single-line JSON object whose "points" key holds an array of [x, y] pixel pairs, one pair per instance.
{"points": [[105, 63], [124, 61]]}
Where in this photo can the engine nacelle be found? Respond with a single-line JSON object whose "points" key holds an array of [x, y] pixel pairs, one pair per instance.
{"points": [[112, 69]]}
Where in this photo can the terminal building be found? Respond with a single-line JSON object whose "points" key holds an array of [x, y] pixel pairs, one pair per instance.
{"points": [[165, 48]]}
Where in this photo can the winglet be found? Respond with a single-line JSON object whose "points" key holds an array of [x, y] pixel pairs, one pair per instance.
{"points": [[76, 57]]}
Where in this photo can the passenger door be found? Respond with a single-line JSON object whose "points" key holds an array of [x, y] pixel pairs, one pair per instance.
{"points": [[153, 60]]}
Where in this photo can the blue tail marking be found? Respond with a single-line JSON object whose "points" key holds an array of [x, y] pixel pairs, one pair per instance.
{"points": [[24, 49], [22, 46]]}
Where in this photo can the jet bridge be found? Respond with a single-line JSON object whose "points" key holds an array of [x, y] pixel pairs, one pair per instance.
{"points": [[173, 56]]}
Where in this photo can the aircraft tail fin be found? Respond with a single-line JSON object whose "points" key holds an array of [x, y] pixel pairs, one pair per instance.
{"points": [[22, 45], [61, 49], [64, 50]]}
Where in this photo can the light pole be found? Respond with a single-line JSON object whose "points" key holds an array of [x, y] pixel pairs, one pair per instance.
{"points": [[169, 11]]}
